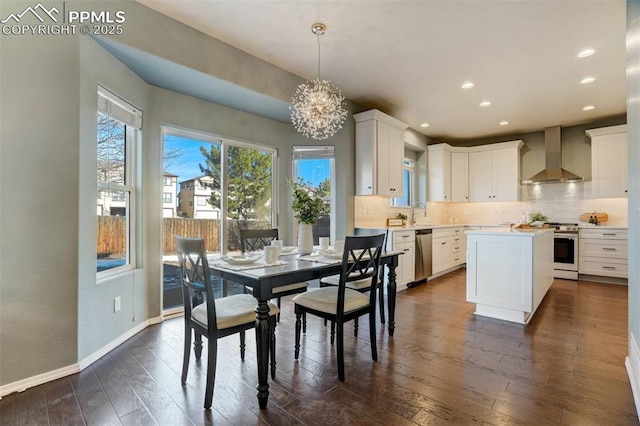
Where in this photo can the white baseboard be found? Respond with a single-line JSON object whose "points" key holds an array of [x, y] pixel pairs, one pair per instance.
{"points": [[632, 362], [49, 376]]}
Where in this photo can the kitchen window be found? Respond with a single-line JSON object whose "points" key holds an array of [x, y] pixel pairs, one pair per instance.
{"points": [[118, 134], [408, 173]]}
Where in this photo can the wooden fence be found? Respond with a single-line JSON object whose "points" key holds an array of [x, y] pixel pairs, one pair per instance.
{"points": [[112, 233]]}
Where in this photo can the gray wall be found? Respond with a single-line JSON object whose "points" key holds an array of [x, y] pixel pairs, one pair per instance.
{"points": [[633, 135]]}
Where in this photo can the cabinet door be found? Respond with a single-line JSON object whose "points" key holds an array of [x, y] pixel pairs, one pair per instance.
{"points": [[390, 152], [505, 174], [406, 263], [609, 166], [480, 176], [459, 177], [441, 256], [366, 158], [440, 175]]}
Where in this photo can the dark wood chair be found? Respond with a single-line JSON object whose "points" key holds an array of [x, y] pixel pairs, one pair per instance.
{"points": [[255, 240], [339, 304], [209, 317]]}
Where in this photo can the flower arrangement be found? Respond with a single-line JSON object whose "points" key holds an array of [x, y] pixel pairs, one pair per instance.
{"points": [[539, 217], [306, 205]]}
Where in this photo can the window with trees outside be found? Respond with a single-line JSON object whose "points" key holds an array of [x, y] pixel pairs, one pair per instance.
{"points": [[407, 185], [314, 165], [224, 185], [118, 133]]}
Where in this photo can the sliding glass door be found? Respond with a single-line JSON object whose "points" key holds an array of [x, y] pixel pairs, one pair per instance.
{"points": [[220, 186]]}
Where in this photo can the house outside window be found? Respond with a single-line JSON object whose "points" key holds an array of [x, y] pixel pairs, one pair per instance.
{"points": [[408, 171], [166, 197], [118, 134]]}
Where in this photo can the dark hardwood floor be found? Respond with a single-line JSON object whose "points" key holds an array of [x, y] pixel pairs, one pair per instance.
{"points": [[444, 365]]}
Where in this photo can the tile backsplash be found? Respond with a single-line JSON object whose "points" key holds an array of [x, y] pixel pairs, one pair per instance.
{"points": [[561, 202]]}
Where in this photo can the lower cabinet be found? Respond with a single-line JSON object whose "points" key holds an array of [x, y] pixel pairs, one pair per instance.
{"points": [[603, 252], [449, 248], [404, 241]]}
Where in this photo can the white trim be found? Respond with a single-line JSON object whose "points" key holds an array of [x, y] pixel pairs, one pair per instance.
{"points": [[632, 363], [49, 376]]}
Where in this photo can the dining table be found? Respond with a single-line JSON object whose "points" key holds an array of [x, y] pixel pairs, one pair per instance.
{"points": [[289, 269]]}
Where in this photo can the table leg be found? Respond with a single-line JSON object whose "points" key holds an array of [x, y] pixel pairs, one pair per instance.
{"points": [[263, 338], [391, 294]]}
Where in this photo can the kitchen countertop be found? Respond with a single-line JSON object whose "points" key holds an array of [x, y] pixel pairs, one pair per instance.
{"points": [[462, 225], [529, 232]]}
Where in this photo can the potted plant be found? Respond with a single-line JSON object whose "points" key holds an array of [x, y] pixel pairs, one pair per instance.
{"points": [[306, 207], [538, 218]]}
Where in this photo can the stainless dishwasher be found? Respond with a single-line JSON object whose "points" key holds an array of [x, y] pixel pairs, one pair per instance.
{"points": [[423, 255]]}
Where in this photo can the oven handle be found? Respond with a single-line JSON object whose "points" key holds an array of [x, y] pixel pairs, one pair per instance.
{"points": [[566, 237]]}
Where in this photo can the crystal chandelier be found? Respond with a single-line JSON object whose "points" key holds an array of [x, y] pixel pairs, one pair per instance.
{"points": [[318, 109]]}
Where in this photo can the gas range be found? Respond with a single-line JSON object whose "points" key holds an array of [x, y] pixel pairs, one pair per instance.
{"points": [[564, 228]]}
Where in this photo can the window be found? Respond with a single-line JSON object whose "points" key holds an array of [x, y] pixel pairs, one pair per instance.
{"points": [[118, 132], [315, 165], [167, 181], [231, 184], [166, 197], [407, 185]]}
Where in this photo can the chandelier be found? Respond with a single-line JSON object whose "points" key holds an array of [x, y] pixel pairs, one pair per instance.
{"points": [[318, 109]]}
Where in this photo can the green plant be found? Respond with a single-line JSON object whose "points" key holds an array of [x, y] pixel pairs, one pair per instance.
{"points": [[539, 217], [307, 204], [401, 216]]}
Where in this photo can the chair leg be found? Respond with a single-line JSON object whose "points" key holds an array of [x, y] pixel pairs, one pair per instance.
{"points": [[381, 304], [186, 353], [333, 332], [242, 344], [272, 345], [340, 351], [372, 335], [297, 346], [197, 345], [304, 322], [355, 327], [278, 303], [212, 359]]}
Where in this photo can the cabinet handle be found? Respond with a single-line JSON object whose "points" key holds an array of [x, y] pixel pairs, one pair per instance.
{"points": [[368, 187], [407, 249], [609, 234], [609, 249], [457, 259], [404, 236], [444, 243], [613, 268]]}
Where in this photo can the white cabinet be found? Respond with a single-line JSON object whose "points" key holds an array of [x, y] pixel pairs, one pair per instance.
{"points": [[448, 249], [439, 172], [405, 242], [459, 177], [448, 173], [603, 252], [494, 172], [379, 154], [609, 161]]}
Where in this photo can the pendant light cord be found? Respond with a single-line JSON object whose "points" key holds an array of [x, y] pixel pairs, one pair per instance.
{"points": [[318, 37]]}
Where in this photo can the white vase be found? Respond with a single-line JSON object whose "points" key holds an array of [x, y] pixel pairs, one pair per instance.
{"points": [[305, 238]]}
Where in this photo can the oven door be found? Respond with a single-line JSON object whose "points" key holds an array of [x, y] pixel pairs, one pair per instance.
{"points": [[565, 252]]}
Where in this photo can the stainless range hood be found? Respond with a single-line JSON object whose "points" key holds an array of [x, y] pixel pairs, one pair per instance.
{"points": [[553, 171]]}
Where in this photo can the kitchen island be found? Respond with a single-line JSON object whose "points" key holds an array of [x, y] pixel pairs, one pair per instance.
{"points": [[509, 271]]}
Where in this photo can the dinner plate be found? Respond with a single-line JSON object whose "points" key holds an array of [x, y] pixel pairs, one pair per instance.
{"points": [[331, 254], [288, 249], [240, 260]]}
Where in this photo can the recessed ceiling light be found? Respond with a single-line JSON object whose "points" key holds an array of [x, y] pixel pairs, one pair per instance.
{"points": [[468, 85], [485, 103], [588, 108], [504, 123], [424, 125], [587, 52], [587, 80]]}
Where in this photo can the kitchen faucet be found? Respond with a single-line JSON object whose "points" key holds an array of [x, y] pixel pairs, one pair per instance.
{"points": [[412, 220]]}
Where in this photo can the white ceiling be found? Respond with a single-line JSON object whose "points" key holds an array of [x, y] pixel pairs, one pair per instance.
{"points": [[409, 57]]}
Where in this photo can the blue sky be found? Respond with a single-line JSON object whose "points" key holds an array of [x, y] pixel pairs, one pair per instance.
{"points": [[186, 165]]}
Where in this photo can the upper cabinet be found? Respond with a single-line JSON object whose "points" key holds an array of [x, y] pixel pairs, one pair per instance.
{"points": [[448, 173], [609, 161], [479, 173], [379, 154], [494, 172]]}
